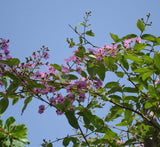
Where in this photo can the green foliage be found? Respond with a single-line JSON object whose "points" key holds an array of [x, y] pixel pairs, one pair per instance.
{"points": [[140, 25], [133, 94], [72, 119], [13, 135]]}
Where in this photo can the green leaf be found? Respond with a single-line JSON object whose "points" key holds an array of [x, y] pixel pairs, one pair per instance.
{"points": [[130, 90], [149, 37], [4, 102], [83, 74], [66, 141], [129, 36], [90, 33], [12, 88], [124, 62], [9, 124], [82, 24], [91, 68], [72, 119], [114, 113], [26, 102], [110, 63], [101, 71], [133, 57], [114, 37], [20, 131], [156, 59], [140, 25], [62, 76], [14, 61], [119, 74], [72, 77], [115, 89], [111, 84], [128, 116], [56, 66], [110, 134], [139, 46], [49, 145]]}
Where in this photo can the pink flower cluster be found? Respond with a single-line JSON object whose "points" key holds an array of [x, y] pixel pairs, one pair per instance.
{"points": [[127, 42], [4, 47]]}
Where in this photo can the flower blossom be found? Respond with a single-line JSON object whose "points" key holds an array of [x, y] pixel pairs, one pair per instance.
{"points": [[65, 69], [41, 109], [46, 55], [98, 83], [157, 82]]}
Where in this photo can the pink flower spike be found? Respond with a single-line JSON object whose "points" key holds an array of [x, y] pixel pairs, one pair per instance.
{"points": [[41, 109], [138, 39], [82, 97], [46, 55], [65, 69], [98, 83]]}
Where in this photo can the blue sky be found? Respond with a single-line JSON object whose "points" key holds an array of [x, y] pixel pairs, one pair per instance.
{"points": [[33, 23]]}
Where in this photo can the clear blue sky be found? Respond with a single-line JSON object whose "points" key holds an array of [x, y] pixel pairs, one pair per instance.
{"points": [[29, 24]]}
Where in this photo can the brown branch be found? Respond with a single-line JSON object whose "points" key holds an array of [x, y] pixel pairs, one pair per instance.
{"points": [[83, 37]]}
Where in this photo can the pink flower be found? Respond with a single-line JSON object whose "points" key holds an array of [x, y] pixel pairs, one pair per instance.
{"points": [[4, 44], [157, 82], [65, 69], [138, 39], [41, 109], [79, 69], [81, 85], [1, 84], [59, 112], [39, 75], [46, 55], [98, 83], [71, 97], [82, 97], [53, 101], [69, 87]]}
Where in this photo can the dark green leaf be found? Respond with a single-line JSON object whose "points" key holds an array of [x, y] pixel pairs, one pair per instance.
{"points": [[66, 141], [149, 37], [56, 66], [72, 119], [26, 102], [130, 90], [9, 124], [115, 89], [101, 71], [83, 74], [14, 61], [140, 25], [3, 105], [114, 113], [119, 74], [114, 37], [72, 77], [91, 68], [111, 84], [129, 36], [49, 145], [156, 59], [124, 62], [90, 33]]}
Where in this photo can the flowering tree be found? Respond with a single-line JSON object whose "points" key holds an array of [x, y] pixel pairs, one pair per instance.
{"points": [[84, 79]]}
